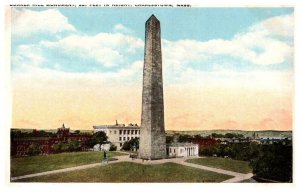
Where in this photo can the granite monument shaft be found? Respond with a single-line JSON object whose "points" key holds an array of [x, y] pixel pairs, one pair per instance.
{"points": [[152, 139]]}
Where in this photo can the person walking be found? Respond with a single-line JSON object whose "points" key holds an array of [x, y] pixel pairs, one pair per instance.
{"points": [[105, 156]]}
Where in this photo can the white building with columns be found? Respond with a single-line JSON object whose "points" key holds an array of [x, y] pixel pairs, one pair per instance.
{"points": [[182, 149], [118, 134]]}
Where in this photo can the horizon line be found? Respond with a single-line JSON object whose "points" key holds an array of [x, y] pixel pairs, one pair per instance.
{"points": [[165, 130]]}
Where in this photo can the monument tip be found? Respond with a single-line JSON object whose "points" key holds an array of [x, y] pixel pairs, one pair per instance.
{"points": [[152, 17]]}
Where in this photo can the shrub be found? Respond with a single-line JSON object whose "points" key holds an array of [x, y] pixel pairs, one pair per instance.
{"points": [[33, 149], [112, 147], [131, 144]]}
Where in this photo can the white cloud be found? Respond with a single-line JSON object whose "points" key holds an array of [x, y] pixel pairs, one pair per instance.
{"points": [[259, 45], [44, 76], [119, 28], [27, 22], [107, 49], [27, 56], [280, 25], [135, 69]]}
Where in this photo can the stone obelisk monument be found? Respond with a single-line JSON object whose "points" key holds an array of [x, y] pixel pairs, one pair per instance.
{"points": [[152, 138]]}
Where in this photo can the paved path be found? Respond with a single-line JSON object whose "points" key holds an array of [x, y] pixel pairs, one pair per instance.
{"points": [[237, 177], [57, 171]]}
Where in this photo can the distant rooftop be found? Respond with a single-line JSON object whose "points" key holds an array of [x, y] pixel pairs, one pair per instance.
{"points": [[117, 125], [177, 144]]}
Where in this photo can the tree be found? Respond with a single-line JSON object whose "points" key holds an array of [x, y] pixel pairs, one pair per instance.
{"points": [[169, 139], [229, 135], [112, 147], [97, 138], [131, 144], [275, 162], [33, 149], [64, 147], [254, 150], [184, 138], [216, 135], [228, 151], [91, 142], [56, 148], [73, 145]]}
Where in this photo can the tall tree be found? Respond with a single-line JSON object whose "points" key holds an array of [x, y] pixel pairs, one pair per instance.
{"points": [[98, 138]]}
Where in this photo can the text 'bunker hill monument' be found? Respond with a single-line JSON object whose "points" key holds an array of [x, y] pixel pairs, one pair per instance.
{"points": [[152, 139]]}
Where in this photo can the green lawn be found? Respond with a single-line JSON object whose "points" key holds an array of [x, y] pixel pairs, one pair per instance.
{"points": [[36, 164], [222, 163], [133, 172]]}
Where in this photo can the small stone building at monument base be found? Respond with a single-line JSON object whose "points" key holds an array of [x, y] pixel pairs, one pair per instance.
{"points": [[182, 150]]}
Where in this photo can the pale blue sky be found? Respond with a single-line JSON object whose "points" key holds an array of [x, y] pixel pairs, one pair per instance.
{"points": [[178, 24]]}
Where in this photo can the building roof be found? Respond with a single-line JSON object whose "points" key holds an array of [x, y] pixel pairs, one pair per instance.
{"points": [[119, 126], [181, 144]]}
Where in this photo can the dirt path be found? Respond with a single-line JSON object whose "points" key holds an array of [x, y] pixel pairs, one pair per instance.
{"points": [[237, 177]]}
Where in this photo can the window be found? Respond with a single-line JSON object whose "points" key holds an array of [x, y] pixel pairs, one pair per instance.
{"points": [[115, 132], [120, 132], [121, 144], [128, 138], [131, 137], [135, 132], [124, 138], [174, 150], [132, 132], [139, 132], [109, 131], [120, 138], [128, 131]]}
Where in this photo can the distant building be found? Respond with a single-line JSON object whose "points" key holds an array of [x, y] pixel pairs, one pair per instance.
{"points": [[182, 149], [225, 141], [21, 143], [268, 140], [118, 134]]}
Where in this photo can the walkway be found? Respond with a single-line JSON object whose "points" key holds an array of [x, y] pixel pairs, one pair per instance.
{"points": [[237, 177], [57, 171]]}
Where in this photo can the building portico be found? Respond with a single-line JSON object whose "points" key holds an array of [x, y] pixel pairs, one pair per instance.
{"points": [[182, 149]]}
